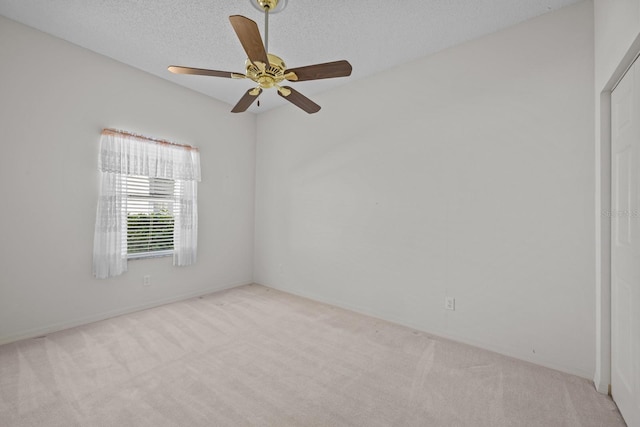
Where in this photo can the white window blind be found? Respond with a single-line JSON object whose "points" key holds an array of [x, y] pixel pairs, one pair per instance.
{"points": [[150, 216]]}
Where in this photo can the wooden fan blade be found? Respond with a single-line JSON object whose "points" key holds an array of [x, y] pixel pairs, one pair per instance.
{"points": [[298, 99], [327, 70], [249, 35], [200, 71], [246, 100]]}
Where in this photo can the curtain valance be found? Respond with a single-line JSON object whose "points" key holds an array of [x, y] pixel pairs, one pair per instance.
{"points": [[129, 154]]}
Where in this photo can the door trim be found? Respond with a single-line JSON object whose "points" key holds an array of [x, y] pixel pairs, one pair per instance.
{"points": [[602, 375]]}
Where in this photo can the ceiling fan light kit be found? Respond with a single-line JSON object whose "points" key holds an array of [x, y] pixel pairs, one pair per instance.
{"points": [[266, 69]]}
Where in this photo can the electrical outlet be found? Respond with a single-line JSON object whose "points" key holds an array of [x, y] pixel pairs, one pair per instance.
{"points": [[146, 281], [450, 303]]}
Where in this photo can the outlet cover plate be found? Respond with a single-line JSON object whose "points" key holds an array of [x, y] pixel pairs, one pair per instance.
{"points": [[450, 303]]}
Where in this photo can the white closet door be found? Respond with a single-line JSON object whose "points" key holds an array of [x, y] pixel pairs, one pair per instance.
{"points": [[625, 246]]}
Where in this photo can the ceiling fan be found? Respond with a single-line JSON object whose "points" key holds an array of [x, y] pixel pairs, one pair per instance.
{"points": [[268, 70]]}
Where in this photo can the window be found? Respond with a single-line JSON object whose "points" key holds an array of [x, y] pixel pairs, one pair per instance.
{"points": [[150, 215], [147, 206]]}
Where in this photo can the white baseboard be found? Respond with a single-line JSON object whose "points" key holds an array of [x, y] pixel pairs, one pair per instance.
{"points": [[505, 351], [37, 332]]}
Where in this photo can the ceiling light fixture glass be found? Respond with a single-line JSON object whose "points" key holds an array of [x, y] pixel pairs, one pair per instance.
{"points": [[274, 6]]}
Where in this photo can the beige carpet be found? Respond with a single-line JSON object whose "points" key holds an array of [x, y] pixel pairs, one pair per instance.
{"points": [[255, 356]]}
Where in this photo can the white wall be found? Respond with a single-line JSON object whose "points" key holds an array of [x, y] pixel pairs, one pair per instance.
{"points": [[468, 173], [617, 42], [54, 100]]}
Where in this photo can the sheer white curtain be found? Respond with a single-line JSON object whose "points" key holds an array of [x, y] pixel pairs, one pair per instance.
{"points": [[185, 230], [126, 154], [108, 257]]}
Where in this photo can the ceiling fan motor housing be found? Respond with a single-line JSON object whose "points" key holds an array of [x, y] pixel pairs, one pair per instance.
{"points": [[272, 74]]}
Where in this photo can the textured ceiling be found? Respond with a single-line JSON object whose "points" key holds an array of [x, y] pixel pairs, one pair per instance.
{"points": [[373, 35]]}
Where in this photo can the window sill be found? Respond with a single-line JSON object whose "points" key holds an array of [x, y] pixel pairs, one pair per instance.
{"points": [[144, 255]]}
